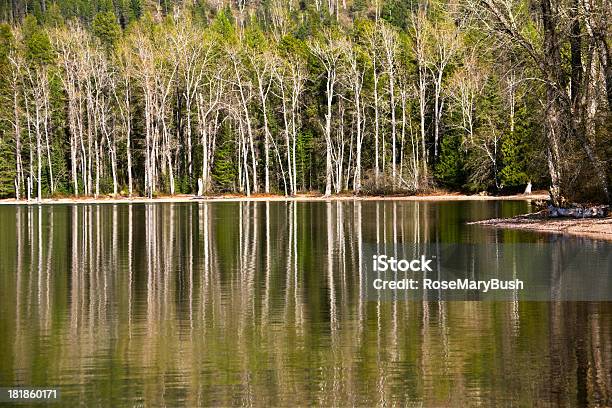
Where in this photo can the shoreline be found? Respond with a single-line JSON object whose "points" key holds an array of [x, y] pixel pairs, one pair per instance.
{"points": [[593, 228], [187, 198]]}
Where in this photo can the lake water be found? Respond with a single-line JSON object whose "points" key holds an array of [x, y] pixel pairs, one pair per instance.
{"points": [[255, 303]]}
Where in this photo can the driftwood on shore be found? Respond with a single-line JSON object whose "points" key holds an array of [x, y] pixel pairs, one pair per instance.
{"points": [[589, 227], [600, 211]]}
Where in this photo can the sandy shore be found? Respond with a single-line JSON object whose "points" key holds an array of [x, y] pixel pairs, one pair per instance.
{"points": [[596, 228], [301, 197], [592, 228]]}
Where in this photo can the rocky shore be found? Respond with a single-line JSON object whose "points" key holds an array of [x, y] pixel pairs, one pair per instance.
{"points": [[595, 228]]}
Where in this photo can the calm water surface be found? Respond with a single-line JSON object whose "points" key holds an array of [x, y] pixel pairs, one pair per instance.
{"points": [[258, 303]]}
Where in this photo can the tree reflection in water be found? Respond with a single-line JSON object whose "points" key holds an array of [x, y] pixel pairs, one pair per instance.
{"points": [[259, 303]]}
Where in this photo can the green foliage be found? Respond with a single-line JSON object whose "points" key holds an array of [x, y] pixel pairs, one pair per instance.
{"points": [[7, 168], [135, 9], [359, 7], [82, 9], [514, 153], [491, 107], [105, 27], [397, 12], [104, 6], [305, 151], [58, 136], [223, 26], [6, 41], [37, 42], [310, 24], [294, 47], [53, 16], [255, 38], [7, 154], [225, 171], [449, 170]]}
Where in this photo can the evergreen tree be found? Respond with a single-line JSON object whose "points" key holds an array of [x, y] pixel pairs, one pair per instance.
{"points": [[38, 45], [7, 155], [514, 153], [7, 168], [105, 27], [224, 172], [449, 170]]}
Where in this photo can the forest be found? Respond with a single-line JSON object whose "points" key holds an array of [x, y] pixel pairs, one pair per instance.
{"points": [[147, 98]]}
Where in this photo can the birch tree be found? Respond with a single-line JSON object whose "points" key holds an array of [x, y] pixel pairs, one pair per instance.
{"points": [[121, 89], [507, 19], [38, 119], [373, 49], [357, 64], [329, 51], [464, 88], [291, 77], [419, 40], [146, 77], [192, 53], [68, 42], [244, 90], [263, 64], [17, 64], [443, 50], [208, 100], [389, 42]]}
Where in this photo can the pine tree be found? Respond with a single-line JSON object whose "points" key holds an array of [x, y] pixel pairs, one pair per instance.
{"points": [[449, 170], [7, 167], [513, 173], [225, 170], [105, 27]]}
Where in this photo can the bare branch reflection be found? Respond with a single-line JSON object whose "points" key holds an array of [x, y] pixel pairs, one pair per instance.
{"points": [[259, 303]]}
